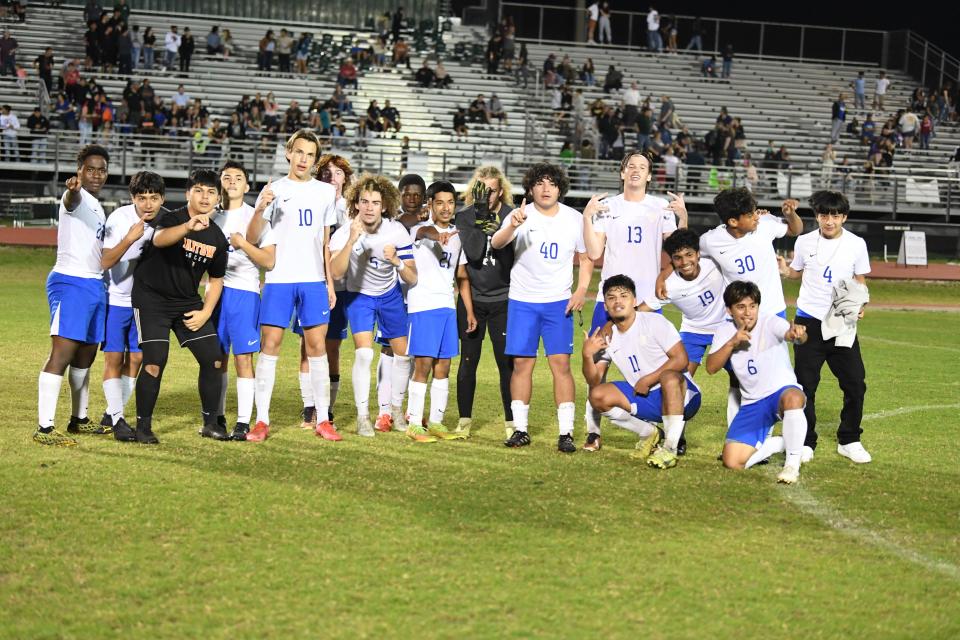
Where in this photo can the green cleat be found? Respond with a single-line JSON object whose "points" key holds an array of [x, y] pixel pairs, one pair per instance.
{"points": [[646, 445], [662, 458], [53, 438], [441, 432], [418, 434], [84, 426]]}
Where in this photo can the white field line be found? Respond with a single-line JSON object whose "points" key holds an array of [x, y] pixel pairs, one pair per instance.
{"points": [[879, 415], [913, 345]]}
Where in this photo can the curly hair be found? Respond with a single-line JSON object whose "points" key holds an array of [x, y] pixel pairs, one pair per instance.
{"points": [[380, 184], [485, 173], [730, 204], [92, 150], [323, 164], [545, 170]]}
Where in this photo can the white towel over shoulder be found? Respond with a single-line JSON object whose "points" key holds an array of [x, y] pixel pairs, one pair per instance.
{"points": [[849, 296]]}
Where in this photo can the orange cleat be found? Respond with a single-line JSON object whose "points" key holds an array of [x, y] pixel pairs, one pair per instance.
{"points": [[326, 431], [259, 432]]}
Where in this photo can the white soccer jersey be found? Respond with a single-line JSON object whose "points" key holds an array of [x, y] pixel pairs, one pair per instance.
{"points": [[699, 300], [80, 238], [297, 217], [369, 273], [825, 263], [765, 366], [544, 247], [641, 349], [750, 258], [121, 274], [634, 241], [242, 272], [436, 270]]}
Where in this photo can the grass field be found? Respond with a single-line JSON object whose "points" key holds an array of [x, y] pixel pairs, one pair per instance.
{"points": [[297, 537]]}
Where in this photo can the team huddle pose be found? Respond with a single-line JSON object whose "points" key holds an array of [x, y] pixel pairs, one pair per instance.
{"points": [[402, 268]]}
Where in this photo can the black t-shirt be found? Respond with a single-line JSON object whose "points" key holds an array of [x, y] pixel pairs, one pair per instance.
{"points": [[170, 276], [487, 268]]}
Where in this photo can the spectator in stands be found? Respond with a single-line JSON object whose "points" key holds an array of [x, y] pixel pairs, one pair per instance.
{"points": [[880, 90], [149, 40], [926, 130], [908, 125], [460, 123], [859, 86], [374, 117], [124, 51], [92, 11], [425, 76], [838, 117], [670, 30], [391, 118], [271, 112], [654, 41], [293, 117], [522, 71], [631, 104], [9, 126], [782, 157], [478, 111], [550, 64], [171, 45], [44, 66], [284, 48], [266, 47], [380, 51], [724, 117], [509, 49], [668, 114], [868, 131], [91, 41], [441, 77], [696, 36], [593, 16], [123, 9], [827, 161], [918, 100], [397, 24], [237, 129], [496, 109], [566, 71], [347, 76], [8, 53], [494, 53], [136, 46], [853, 128], [588, 73], [214, 43], [302, 50], [727, 61], [708, 68], [108, 43], [341, 101], [147, 94], [180, 99], [229, 47], [606, 35], [187, 46], [613, 80], [401, 53], [39, 128]]}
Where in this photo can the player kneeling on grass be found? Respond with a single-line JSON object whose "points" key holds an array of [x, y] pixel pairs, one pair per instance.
{"points": [[649, 353], [755, 346], [373, 253], [433, 317], [126, 236]]}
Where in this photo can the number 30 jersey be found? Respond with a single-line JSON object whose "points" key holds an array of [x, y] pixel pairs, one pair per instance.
{"points": [[296, 220], [544, 247]]}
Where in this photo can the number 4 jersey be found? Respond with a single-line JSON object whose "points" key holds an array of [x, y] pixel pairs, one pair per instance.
{"points": [[824, 264], [763, 367], [296, 220], [544, 247]]}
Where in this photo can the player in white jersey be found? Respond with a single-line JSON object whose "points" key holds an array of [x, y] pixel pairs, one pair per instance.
{"points": [[628, 231], [238, 313], [123, 243], [292, 221], [755, 346], [335, 170], [374, 253], [77, 299], [546, 235], [824, 258], [648, 352], [432, 313]]}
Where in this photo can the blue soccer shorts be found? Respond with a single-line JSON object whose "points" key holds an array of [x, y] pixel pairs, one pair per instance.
{"points": [[238, 321], [387, 312], [78, 307], [696, 344], [308, 299], [433, 334], [751, 426], [121, 331], [529, 322], [650, 406]]}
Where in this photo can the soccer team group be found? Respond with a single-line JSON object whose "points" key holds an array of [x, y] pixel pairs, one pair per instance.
{"points": [[400, 266]]}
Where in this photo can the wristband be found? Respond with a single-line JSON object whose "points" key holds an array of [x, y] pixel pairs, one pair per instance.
{"points": [[401, 266]]}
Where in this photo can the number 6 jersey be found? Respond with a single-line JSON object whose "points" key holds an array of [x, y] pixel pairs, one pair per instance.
{"points": [[764, 367]]}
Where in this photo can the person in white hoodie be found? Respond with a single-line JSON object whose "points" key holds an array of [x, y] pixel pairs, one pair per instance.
{"points": [[825, 259]]}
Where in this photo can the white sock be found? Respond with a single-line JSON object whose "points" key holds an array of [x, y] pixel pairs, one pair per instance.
{"points": [[794, 432], [49, 385], [673, 429], [399, 378], [113, 392], [129, 386], [334, 389], [320, 381], [624, 420], [439, 393], [415, 401], [770, 446], [246, 388], [592, 418], [384, 382], [521, 413], [362, 359], [266, 374], [79, 391], [306, 389], [224, 383], [566, 412], [733, 404]]}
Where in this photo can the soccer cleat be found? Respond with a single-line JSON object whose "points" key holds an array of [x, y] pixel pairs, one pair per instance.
{"points": [[106, 420], [240, 431], [384, 422], [418, 434], [788, 475], [518, 439], [259, 433], [144, 435], [855, 452], [399, 419], [216, 431], [682, 445], [123, 432], [442, 433], [807, 454], [85, 427], [565, 443], [463, 427], [53, 438], [593, 442], [364, 428], [326, 431], [309, 415], [644, 448], [662, 458]]}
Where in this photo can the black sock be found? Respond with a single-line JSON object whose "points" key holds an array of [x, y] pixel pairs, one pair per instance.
{"points": [[45, 429]]}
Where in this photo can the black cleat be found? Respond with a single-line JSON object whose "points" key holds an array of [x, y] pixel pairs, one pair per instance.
{"points": [[518, 439], [240, 431], [216, 431], [123, 433], [682, 445], [565, 444], [85, 427], [593, 443], [222, 421], [144, 433], [106, 420]]}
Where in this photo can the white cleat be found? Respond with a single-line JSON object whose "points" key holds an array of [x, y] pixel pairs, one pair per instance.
{"points": [[806, 455], [364, 428], [855, 452], [788, 475], [399, 419]]}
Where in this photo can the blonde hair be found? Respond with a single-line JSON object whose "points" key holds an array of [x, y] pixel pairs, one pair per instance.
{"points": [[485, 173], [303, 134], [380, 184]]}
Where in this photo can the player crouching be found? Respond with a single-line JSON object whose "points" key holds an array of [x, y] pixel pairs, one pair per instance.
{"points": [[755, 345], [649, 353]]}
